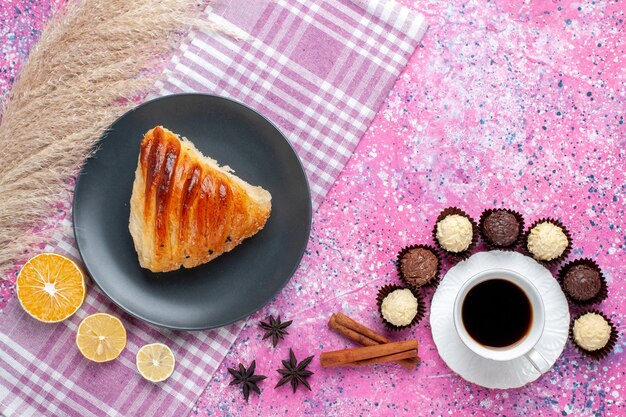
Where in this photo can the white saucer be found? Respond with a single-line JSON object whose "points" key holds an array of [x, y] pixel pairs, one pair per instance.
{"points": [[485, 372]]}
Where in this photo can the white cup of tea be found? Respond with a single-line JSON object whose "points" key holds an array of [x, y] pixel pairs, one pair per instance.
{"points": [[499, 315]]}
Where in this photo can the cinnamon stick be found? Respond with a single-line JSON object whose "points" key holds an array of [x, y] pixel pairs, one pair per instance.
{"points": [[377, 353], [347, 322], [398, 357], [365, 336]]}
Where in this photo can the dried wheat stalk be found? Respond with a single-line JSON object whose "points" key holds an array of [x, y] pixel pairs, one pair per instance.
{"points": [[74, 84]]}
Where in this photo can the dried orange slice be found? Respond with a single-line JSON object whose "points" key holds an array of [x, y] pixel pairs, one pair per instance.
{"points": [[51, 287], [101, 337], [155, 362]]}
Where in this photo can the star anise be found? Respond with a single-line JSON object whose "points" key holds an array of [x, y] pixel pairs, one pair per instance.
{"points": [[275, 328], [295, 372], [247, 378]]}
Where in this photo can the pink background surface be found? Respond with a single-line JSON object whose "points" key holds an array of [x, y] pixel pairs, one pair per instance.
{"points": [[518, 106]]}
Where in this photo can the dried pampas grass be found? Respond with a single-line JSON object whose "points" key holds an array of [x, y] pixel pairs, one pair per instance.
{"points": [[76, 82]]}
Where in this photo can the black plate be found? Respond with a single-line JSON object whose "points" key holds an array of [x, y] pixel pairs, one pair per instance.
{"points": [[233, 285]]}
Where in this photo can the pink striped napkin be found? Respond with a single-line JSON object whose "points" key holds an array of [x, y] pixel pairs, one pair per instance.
{"points": [[319, 71]]}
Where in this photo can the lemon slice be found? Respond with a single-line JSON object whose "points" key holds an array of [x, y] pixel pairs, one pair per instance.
{"points": [[155, 362], [50, 287], [101, 337]]}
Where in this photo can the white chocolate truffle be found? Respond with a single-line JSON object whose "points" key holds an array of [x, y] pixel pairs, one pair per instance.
{"points": [[591, 332], [547, 241], [454, 233], [399, 307]]}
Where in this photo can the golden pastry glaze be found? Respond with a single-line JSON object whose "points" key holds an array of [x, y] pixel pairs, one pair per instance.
{"points": [[195, 211]]}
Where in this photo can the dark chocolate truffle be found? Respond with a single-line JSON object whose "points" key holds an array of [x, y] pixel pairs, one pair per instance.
{"points": [[418, 266], [582, 282], [501, 228]]}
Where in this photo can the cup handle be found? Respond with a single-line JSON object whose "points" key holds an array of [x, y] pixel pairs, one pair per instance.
{"points": [[537, 360]]}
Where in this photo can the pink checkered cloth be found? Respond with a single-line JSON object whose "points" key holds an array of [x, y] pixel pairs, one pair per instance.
{"points": [[319, 71]]}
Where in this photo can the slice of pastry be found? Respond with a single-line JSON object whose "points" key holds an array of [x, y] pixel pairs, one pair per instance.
{"points": [[185, 209]]}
